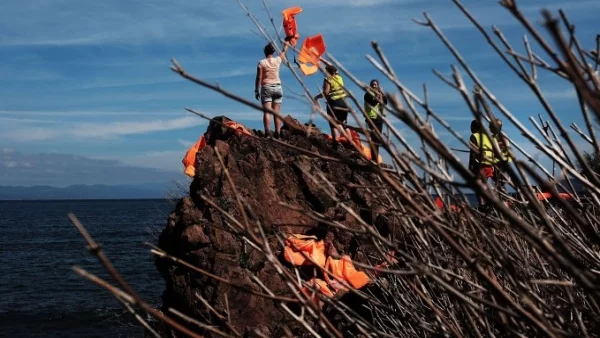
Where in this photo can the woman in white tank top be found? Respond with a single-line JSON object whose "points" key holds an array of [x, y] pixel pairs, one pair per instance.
{"points": [[271, 92]]}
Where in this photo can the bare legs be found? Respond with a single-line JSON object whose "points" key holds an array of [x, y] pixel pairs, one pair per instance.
{"points": [[335, 133], [278, 121], [267, 116]]}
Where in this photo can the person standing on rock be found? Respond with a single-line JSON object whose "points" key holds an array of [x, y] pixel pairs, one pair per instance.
{"points": [[374, 104], [335, 94], [481, 156], [502, 164], [267, 87]]}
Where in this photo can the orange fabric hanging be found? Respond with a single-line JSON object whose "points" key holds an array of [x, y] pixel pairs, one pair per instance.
{"points": [[238, 128], [189, 160], [310, 54], [289, 24], [299, 247], [342, 139], [365, 149], [344, 270]]}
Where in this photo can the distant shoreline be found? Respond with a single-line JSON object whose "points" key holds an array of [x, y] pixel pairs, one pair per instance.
{"points": [[86, 199], [88, 192]]}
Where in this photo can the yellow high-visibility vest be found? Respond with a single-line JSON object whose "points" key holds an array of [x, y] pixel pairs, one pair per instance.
{"points": [[373, 111], [336, 87], [484, 144], [505, 156]]}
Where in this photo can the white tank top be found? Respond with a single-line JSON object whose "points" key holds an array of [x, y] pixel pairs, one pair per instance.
{"points": [[270, 70]]}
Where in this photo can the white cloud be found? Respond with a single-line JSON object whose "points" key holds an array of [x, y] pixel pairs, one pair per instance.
{"points": [[72, 22], [62, 170], [132, 128], [169, 160], [104, 130], [185, 143], [18, 119], [10, 164], [116, 21], [84, 113]]}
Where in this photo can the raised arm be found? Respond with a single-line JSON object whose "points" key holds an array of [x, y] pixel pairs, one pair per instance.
{"points": [[285, 48]]}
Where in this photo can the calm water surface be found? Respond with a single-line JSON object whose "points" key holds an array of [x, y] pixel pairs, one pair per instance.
{"points": [[42, 296]]}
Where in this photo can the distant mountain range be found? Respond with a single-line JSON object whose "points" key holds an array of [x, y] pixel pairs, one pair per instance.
{"points": [[97, 191]]}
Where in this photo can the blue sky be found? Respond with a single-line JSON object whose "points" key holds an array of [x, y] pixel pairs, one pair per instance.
{"points": [[92, 79]]}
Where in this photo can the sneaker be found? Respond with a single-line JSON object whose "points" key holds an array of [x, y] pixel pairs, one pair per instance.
{"points": [[276, 134]]}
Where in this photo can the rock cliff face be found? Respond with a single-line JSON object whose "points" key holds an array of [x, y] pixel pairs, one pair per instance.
{"points": [[267, 176]]}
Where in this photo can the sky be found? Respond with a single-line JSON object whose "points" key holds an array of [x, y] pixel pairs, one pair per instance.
{"points": [[87, 84]]}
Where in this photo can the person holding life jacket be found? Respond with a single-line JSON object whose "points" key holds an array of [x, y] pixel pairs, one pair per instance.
{"points": [[271, 92], [335, 94], [481, 155], [502, 163], [374, 104]]}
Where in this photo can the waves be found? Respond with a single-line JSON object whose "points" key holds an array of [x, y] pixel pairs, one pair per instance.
{"points": [[42, 297], [100, 322]]}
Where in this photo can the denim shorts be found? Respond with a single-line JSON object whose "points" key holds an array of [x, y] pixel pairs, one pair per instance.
{"points": [[271, 93]]}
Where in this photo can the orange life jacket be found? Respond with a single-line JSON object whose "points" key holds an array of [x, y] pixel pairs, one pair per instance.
{"points": [[189, 160], [365, 149], [298, 248], [310, 54], [343, 270], [321, 286], [289, 24], [546, 196], [238, 128]]}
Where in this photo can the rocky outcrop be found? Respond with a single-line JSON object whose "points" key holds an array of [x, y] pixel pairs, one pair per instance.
{"points": [[268, 176]]}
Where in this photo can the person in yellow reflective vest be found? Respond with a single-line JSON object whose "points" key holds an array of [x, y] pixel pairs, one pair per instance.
{"points": [[481, 155], [374, 104], [502, 163], [335, 94]]}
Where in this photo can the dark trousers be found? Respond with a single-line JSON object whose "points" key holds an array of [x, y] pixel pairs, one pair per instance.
{"points": [[338, 110], [378, 122]]}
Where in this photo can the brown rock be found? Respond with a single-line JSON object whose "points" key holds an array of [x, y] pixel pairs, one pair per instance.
{"points": [[194, 235], [266, 175]]}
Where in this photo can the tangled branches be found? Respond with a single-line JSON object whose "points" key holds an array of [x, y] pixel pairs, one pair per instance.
{"points": [[529, 267]]}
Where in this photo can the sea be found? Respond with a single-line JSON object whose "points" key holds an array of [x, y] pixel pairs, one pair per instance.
{"points": [[40, 294]]}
